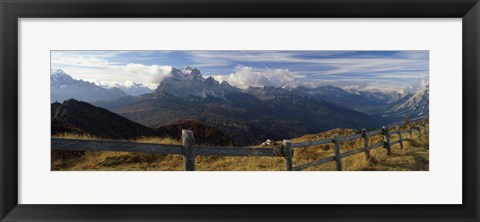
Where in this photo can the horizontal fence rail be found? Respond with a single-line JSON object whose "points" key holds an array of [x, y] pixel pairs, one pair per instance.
{"points": [[237, 151], [119, 146], [374, 132], [312, 143], [102, 145], [351, 137], [189, 150]]}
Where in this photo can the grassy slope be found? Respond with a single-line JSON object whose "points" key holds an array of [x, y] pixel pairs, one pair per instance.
{"points": [[414, 157]]}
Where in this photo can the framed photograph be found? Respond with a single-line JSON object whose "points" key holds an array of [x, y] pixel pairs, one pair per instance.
{"points": [[226, 110]]}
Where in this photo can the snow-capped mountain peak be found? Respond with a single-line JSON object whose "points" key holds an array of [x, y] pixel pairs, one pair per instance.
{"points": [[64, 87], [416, 99], [59, 76], [413, 105]]}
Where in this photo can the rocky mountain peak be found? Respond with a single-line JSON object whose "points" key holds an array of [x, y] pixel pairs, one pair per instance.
{"points": [[185, 73], [192, 73], [211, 81], [188, 82]]}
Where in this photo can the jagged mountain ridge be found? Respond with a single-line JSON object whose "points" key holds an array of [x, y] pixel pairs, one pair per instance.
{"points": [[189, 82], [249, 116]]}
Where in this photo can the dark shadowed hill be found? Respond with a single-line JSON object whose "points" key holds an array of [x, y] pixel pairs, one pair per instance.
{"points": [[203, 133], [76, 116], [59, 127]]}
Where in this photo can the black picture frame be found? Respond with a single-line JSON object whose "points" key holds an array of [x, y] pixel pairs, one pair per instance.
{"points": [[11, 11]]}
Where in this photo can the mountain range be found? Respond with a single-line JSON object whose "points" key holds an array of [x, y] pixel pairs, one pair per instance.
{"points": [[255, 114], [64, 87]]}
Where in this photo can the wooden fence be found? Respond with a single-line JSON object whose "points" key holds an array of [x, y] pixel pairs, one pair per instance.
{"points": [[189, 150]]}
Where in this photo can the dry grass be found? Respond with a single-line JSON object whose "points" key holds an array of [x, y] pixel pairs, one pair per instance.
{"points": [[91, 160], [413, 157]]}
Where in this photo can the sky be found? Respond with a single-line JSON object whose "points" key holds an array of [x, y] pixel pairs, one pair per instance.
{"points": [[394, 70]]}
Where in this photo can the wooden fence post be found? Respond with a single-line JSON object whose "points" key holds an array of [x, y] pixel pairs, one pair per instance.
{"points": [[365, 143], [386, 140], [188, 150], [410, 132], [336, 148], [287, 154], [400, 139]]}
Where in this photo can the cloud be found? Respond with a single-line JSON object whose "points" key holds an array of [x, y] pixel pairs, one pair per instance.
{"points": [[244, 76], [150, 76]]}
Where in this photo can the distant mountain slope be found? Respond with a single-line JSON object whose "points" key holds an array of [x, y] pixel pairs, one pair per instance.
{"points": [[413, 106], [249, 116], [122, 102], [361, 101], [382, 96], [64, 87], [134, 89]]}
